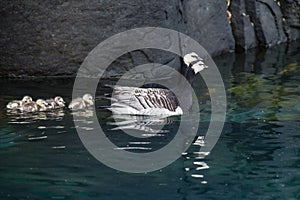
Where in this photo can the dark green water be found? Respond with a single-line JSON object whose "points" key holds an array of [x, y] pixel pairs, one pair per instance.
{"points": [[256, 157]]}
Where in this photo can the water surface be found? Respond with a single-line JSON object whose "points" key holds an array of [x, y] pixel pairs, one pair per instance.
{"points": [[256, 157]]}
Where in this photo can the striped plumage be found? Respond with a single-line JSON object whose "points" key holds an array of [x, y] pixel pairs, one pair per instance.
{"points": [[144, 101], [155, 101]]}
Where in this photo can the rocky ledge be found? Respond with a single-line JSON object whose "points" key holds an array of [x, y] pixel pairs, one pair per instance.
{"points": [[51, 38]]}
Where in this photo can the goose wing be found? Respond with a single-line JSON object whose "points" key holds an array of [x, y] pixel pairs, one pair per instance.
{"points": [[135, 100], [156, 98]]}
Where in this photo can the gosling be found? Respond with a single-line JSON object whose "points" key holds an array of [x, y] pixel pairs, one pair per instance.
{"points": [[57, 102], [39, 105], [16, 104], [81, 102]]}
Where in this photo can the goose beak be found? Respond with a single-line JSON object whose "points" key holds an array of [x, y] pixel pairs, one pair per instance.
{"points": [[198, 67]]}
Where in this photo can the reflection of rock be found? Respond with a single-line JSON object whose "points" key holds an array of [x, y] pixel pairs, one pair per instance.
{"points": [[246, 92], [263, 81], [267, 97], [289, 69]]}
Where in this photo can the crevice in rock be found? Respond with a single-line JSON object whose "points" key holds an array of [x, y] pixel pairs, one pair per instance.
{"points": [[275, 20], [254, 12], [283, 22], [166, 14], [285, 26], [181, 11]]}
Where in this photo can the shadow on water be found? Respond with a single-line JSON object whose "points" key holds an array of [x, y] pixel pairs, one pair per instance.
{"points": [[257, 156]]}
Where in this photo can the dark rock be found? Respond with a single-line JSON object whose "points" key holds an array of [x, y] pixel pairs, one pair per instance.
{"points": [[207, 23], [277, 15], [291, 13], [242, 29], [52, 38], [267, 19]]}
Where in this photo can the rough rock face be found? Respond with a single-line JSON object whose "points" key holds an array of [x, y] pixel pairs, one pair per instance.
{"points": [[291, 13], [242, 28], [52, 38], [206, 22], [272, 22], [267, 19]]}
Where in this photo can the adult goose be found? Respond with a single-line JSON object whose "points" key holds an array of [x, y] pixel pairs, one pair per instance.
{"points": [[156, 101]]}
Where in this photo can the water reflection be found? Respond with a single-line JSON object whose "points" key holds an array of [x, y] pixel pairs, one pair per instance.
{"points": [[8, 137], [85, 119], [141, 123], [257, 156], [16, 117], [140, 133], [195, 164], [83, 114], [267, 99], [265, 90], [30, 127]]}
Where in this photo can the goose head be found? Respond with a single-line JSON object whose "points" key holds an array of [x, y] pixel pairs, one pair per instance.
{"points": [[59, 100], [88, 99], [192, 65], [42, 104], [27, 99], [193, 61]]}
